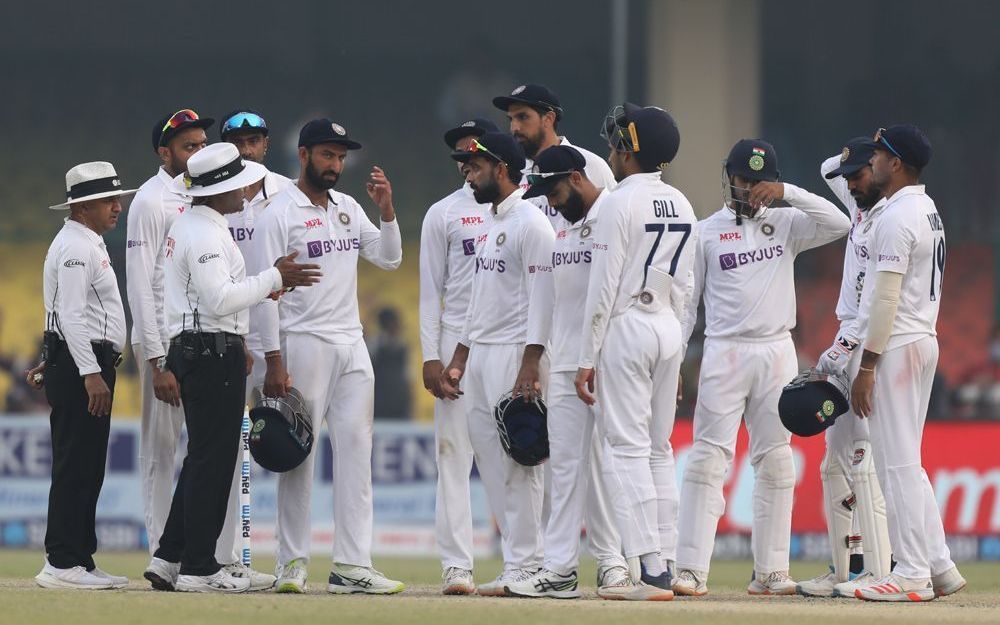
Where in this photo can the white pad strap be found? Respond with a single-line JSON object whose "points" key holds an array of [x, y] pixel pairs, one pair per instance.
{"points": [[837, 503], [871, 511]]}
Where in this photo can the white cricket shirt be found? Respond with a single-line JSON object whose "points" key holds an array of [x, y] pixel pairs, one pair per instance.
{"points": [[517, 249], [206, 286], [243, 224], [908, 238], [82, 301], [150, 216], [746, 272], [453, 228], [333, 237], [597, 169], [645, 223]]}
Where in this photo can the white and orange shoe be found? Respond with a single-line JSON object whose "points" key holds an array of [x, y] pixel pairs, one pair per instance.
{"points": [[895, 588]]}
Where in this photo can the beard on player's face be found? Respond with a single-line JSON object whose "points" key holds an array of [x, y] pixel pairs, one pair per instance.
{"points": [[531, 143], [572, 208], [323, 180], [486, 186]]}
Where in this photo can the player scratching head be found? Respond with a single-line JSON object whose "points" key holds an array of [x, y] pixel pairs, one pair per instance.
{"points": [[534, 114], [750, 163], [559, 175], [492, 165], [901, 153], [643, 140], [177, 137], [855, 167]]}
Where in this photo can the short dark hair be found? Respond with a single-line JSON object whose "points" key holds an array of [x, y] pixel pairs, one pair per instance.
{"points": [[513, 175], [542, 110]]}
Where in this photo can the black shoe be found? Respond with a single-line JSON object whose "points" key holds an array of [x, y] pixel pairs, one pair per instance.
{"points": [[663, 580]]}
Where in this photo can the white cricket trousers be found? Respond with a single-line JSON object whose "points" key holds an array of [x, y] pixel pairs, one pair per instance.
{"points": [[740, 378], [513, 490], [338, 386], [453, 502], [903, 379], [578, 491], [228, 547], [636, 390], [848, 428], [159, 433]]}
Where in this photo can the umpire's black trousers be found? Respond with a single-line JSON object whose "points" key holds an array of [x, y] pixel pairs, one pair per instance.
{"points": [[79, 455], [211, 370]]}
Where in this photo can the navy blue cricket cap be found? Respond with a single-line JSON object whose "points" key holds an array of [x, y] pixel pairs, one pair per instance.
{"points": [[475, 127], [907, 142], [498, 146], [533, 95], [753, 159], [559, 159], [325, 131], [856, 155], [166, 128]]}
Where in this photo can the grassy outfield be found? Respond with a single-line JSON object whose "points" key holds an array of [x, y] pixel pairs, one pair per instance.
{"points": [[22, 602]]}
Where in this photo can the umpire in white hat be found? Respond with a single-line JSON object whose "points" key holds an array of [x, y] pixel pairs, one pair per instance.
{"points": [[207, 297], [84, 335]]}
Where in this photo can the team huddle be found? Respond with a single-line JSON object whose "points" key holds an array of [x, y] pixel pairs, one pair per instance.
{"points": [[558, 293]]}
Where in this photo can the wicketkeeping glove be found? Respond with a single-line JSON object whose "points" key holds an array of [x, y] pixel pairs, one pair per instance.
{"points": [[834, 360]]}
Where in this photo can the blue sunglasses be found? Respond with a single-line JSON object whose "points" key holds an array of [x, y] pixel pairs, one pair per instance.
{"points": [[242, 121]]}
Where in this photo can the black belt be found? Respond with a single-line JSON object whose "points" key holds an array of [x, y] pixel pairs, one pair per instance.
{"points": [[105, 351], [194, 344]]}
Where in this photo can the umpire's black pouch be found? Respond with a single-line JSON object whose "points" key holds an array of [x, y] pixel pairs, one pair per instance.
{"points": [[51, 345]]}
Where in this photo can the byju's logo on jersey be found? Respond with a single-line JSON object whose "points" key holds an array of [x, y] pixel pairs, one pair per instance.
{"points": [[241, 234], [733, 260], [490, 264], [469, 247], [570, 258], [316, 249]]}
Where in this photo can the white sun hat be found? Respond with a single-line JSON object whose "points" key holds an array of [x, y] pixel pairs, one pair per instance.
{"points": [[91, 181], [215, 169]]}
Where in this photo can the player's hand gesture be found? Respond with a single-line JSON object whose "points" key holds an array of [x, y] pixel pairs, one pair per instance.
{"points": [[861, 393], [765, 193], [450, 379], [433, 369], [527, 384], [294, 274], [380, 191], [585, 386], [35, 376]]}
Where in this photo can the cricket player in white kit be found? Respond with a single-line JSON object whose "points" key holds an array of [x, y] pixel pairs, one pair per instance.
{"points": [[496, 341], [534, 113], [898, 318], [577, 489], [247, 130], [744, 265], [318, 334], [631, 350], [152, 212], [853, 502], [453, 228]]}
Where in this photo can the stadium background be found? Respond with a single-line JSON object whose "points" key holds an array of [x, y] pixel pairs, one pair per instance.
{"points": [[87, 85]]}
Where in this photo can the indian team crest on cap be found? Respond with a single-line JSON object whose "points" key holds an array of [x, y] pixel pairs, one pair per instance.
{"points": [[767, 229], [845, 154], [501, 238], [469, 124], [337, 128], [259, 425], [517, 90], [585, 232], [757, 159], [344, 218], [828, 408]]}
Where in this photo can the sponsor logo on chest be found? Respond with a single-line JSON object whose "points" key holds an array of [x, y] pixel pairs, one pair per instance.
{"points": [[571, 258], [315, 249], [734, 260], [241, 234], [474, 220], [730, 236], [313, 223]]}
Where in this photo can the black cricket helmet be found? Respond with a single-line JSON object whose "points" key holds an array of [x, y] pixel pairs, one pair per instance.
{"points": [[281, 432], [523, 429], [812, 402]]}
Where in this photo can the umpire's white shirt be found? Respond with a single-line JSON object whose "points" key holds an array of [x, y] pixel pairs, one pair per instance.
{"points": [[597, 169], [453, 228], [333, 237], [82, 301], [150, 216], [645, 224], [243, 225], [518, 248], [206, 288], [747, 272], [908, 238]]}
